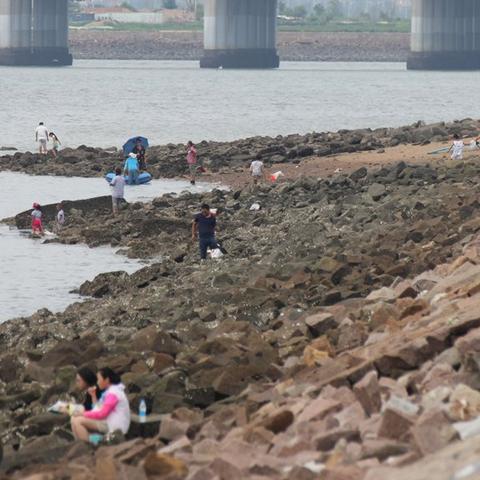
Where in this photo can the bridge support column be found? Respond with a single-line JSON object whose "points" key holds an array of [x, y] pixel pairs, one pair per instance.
{"points": [[50, 33], [240, 34], [445, 35], [15, 32]]}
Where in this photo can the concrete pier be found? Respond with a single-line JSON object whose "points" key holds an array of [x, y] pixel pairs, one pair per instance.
{"points": [[15, 32], [50, 33], [445, 35], [240, 34], [34, 32]]}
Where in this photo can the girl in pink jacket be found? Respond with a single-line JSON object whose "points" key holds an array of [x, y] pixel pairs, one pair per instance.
{"points": [[110, 414]]}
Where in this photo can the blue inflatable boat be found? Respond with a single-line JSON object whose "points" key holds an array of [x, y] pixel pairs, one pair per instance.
{"points": [[142, 178]]}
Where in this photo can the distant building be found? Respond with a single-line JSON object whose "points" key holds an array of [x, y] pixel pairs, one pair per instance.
{"points": [[124, 15]]}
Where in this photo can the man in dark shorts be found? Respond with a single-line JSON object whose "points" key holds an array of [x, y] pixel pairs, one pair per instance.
{"points": [[203, 227], [139, 151]]}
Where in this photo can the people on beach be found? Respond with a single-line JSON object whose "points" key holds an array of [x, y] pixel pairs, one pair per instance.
{"points": [[131, 168], [139, 151], [112, 412], [86, 383], [192, 161], [55, 144], [457, 148], [37, 226], [203, 227], [118, 190], [41, 137], [60, 220], [257, 169]]}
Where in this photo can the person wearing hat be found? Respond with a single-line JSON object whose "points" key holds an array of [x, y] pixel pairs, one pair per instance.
{"points": [[131, 168], [37, 227]]}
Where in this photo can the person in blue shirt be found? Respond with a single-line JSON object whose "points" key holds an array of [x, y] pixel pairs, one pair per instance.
{"points": [[131, 168], [203, 227]]}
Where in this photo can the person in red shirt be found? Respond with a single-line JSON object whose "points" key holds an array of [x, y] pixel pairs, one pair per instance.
{"points": [[192, 161]]}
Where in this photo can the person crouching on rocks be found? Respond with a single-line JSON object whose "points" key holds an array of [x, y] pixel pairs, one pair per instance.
{"points": [[86, 382], [203, 227], [112, 412], [37, 226], [131, 169]]}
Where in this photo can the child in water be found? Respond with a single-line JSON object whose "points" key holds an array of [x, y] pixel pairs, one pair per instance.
{"points": [[37, 227], [457, 148]]}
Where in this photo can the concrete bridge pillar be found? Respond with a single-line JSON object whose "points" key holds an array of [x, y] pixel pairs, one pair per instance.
{"points": [[240, 34], [445, 35], [50, 33], [15, 32]]}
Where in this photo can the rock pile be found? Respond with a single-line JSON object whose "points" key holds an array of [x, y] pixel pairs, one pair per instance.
{"points": [[338, 339], [409, 390], [168, 161]]}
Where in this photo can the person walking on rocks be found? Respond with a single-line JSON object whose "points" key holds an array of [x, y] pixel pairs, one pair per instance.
{"points": [[41, 137], [192, 161], [257, 169], [203, 227], [457, 148], [55, 144], [118, 190]]}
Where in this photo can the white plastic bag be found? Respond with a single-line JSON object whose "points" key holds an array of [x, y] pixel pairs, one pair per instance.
{"points": [[216, 253]]}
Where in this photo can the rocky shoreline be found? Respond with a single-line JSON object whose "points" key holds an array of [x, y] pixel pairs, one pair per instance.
{"points": [[292, 46], [338, 339], [168, 161]]}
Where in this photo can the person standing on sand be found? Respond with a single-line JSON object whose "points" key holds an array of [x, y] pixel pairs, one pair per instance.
{"points": [[192, 161], [118, 190], [41, 137], [257, 169], [203, 227], [457, 148]]}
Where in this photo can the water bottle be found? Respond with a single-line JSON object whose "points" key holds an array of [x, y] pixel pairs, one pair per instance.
{"points": [[142, 411]]}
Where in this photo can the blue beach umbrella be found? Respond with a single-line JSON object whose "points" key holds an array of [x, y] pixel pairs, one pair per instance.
{"points": [[130, 145]]}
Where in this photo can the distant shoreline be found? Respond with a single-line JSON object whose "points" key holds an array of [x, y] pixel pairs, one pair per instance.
{"points": [[292, 46]]}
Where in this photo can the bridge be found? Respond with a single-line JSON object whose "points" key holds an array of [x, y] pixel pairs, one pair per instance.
{"points": [[242, 34]]}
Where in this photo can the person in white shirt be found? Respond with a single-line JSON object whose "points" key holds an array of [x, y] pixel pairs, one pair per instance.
{"points": [[257, 170], [60, 217], [457, 148], [41, 136], [118, 190]]}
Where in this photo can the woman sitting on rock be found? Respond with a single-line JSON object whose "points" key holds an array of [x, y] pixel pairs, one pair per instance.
{"points": [[112, 412], [86, 382]]}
